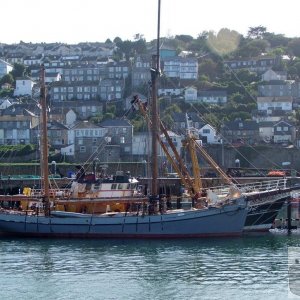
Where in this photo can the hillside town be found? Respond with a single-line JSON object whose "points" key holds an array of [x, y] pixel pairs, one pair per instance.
{"points": [[90, 87]]}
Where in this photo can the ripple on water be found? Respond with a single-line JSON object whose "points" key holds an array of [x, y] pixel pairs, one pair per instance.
{"points": [[251, 268]]}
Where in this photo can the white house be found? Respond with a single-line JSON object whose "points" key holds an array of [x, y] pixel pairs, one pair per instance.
{"points": [[83, 130], [52, 76], [274, 75], [141, 143], [4, 103], [71, 117], [176, 140], [24, 86], [49, 76], [68, 150], [266, 131], [208, 135], [180, 67], [190, 94], [169, 91], [33, 60], [284, 132], [5, 68], [266, 118], [213, 97], [270, 104]]}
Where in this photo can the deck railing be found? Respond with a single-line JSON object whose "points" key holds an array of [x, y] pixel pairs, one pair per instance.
{"points": [[268, 185]]}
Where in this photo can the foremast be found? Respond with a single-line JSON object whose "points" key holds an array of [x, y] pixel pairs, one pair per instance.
{"points": [[44, 143]]}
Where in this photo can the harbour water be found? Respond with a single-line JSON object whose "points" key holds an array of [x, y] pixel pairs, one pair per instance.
{"points": [[231, 268]]}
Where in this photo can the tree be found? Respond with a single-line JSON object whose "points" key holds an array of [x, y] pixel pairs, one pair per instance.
{"points": [[126, 48], [294, 70], [297, 116], [111, 109], [185, 38], [247, 76], [237, 98], [96, 119], [252, 48], [276, 40], [117, 40], [138, 123], [172, 108], [293, 47], [225, 41], [138, 36], [212, 120], [167, 121], [108, 116], [256, 32], [199, 44], [8, 78], [240, 115], [19, 70], [139, 46], [209, 68]]}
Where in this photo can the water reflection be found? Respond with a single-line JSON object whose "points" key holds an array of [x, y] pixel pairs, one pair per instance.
{"points": [[148, 269]]}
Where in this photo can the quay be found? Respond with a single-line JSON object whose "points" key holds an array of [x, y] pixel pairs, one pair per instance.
{"points": [[13, 183]]}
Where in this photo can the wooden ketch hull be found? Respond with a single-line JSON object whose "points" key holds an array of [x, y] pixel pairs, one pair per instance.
{"points": [[227, 220]]}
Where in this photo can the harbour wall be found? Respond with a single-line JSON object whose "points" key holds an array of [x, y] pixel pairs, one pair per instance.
{"points": [[250, 157]]}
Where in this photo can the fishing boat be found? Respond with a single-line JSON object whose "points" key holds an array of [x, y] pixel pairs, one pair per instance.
{"points": [[137, 216]]}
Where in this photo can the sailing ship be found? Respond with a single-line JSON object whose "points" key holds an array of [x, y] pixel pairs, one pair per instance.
{"points": [[138, 216]]}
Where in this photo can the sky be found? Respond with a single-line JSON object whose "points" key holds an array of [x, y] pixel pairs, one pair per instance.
{"points": [[75, 21]]}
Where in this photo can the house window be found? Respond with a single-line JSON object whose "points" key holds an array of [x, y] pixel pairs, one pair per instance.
{"points": [[207, 131], [94, 149], [122, 139], [285, 129], [278, 128], [82, 149]]}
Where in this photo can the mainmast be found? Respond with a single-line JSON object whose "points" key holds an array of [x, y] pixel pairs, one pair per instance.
{"points": [[44, 142], [155, 71]]}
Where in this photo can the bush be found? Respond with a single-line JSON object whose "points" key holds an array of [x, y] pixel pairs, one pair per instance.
{"points": [[16, 150]]}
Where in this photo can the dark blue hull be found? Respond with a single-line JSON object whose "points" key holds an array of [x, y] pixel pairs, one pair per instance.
{"points": [[263, 209], [224, 221]]}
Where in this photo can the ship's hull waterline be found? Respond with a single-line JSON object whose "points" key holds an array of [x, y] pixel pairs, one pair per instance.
{"points": [[227, 220]]}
